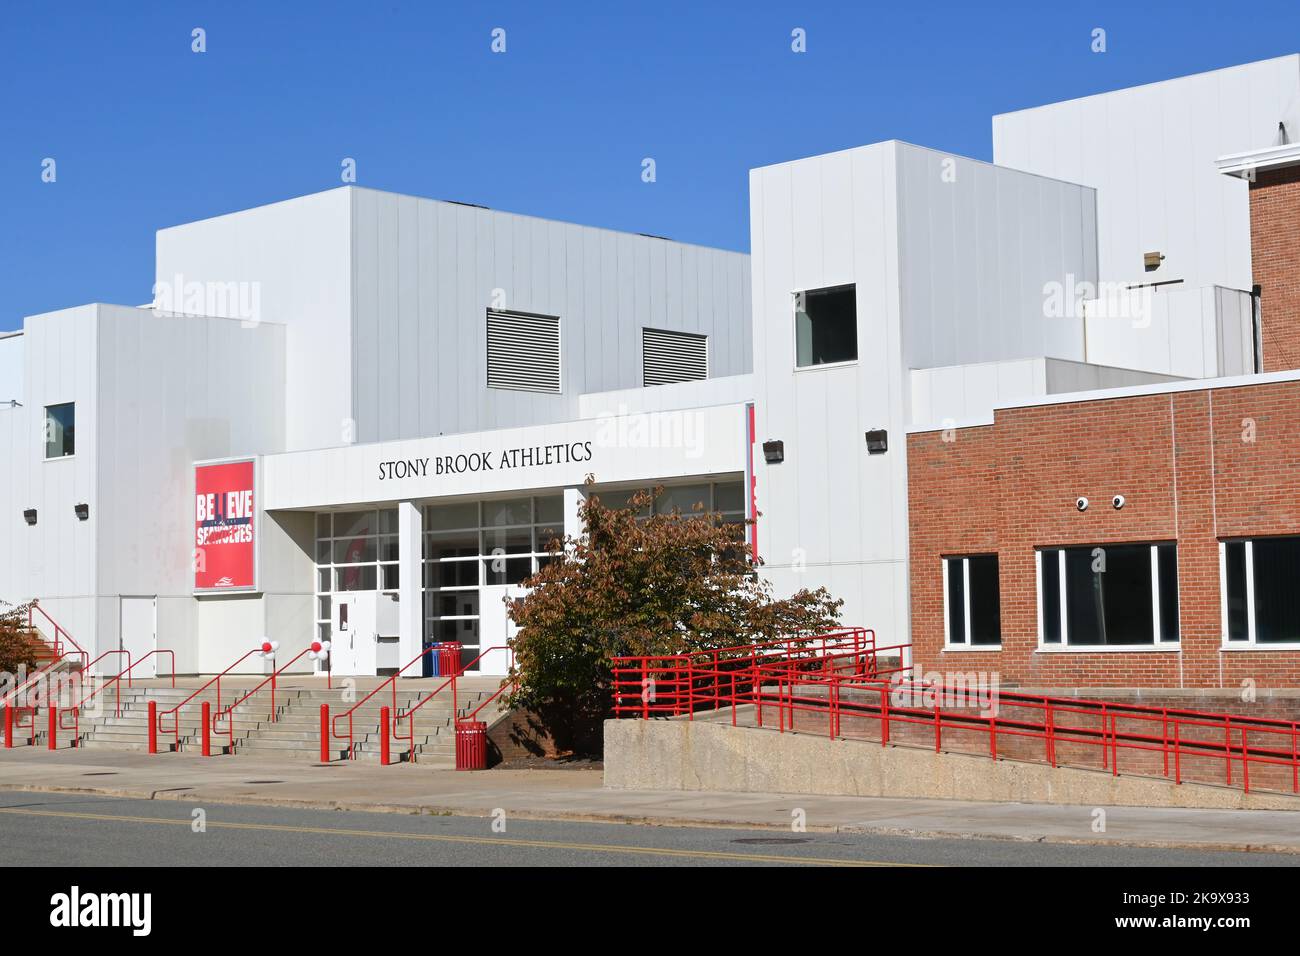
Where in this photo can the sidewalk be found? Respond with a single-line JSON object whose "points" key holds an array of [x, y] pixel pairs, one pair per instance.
{"points": [[579, 795]]}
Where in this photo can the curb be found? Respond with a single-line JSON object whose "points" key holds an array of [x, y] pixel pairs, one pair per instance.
{"points": [[587, 816]]}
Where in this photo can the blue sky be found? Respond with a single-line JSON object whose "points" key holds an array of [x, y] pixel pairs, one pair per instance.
{"points": [[147, 133]]}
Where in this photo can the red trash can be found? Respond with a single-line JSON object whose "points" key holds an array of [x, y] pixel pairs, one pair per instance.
{"points": [[471, 745], [448, 659]]}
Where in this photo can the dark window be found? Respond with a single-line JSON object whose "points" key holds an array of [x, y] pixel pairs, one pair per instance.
{"points": [[60, 430], [1108, 595], [985, 602], [1168, 557], [826, 326], [1112, 595], [1276, 564], [956, 602], [1051, 596], [1238, 621], [979, 603]]}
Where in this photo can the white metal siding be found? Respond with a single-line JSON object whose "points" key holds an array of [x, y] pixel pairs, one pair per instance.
{"points": [[523, 351], [669, 357]]}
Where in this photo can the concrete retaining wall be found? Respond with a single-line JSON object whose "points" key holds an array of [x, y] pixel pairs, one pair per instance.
{"points": [[698, 755]]}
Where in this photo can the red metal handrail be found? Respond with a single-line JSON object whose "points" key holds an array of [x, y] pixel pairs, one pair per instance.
{"points": [[829, 695], [409, 715], [116, 682], [58, 630], [60, 655], [175, 711], [390, 681], [229, 713]]}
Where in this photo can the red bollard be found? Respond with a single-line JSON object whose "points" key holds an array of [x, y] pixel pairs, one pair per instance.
{"points": [[324, 733], [54, 728], [9, 728], [207, 729], [153, 726], [383, 736]]}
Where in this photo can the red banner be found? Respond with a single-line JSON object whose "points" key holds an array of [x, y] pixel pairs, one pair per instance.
{"points": [[224, 534]]}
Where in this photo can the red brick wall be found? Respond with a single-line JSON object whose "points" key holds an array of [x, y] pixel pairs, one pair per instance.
{"points": [[1275, 258], [1188, 475]]}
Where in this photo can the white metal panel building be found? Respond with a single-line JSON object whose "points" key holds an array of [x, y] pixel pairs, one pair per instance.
{"points": [[418, 390]]}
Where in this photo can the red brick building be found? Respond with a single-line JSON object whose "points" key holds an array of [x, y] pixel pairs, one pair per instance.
{"points": [[1177, 571], [1138, 537]]}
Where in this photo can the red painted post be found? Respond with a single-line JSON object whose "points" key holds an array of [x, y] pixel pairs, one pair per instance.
{"points": [[1227, 748], [206, 730], [54, 728], [153, 726], [9, 728], [884, 715], [1245, 762], [383, 736], [324, 733]]}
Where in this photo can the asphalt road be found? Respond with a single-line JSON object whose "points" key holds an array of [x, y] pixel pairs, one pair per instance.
{"points": [[44, 829]]}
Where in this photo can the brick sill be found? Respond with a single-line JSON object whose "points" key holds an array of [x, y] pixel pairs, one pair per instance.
{"points": [[971, 649]]}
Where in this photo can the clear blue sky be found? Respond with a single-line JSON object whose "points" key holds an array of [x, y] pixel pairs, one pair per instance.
{"points": [[148, 134]]}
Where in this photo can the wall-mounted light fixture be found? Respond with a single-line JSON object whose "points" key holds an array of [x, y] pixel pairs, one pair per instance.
{"points": [[82, 510], [30, 516], [1152, 260], [877, 441], [774, 452]]}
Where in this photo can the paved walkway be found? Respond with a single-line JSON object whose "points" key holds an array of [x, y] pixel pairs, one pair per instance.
{"points": [[579, 795]]}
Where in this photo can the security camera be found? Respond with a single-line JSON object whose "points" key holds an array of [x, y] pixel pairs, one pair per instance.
{"points": [[1118, 502], [1081, 503]]}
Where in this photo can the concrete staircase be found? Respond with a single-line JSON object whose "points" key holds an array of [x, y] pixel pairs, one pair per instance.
{"points": [[296, 731], [130, 730], [292, 731]]}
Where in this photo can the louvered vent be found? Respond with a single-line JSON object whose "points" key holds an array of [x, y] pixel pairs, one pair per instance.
{"points": [[523, 351], [673, 357]]}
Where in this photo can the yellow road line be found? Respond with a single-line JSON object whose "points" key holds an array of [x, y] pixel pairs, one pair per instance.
{"points": [[447, 838]]}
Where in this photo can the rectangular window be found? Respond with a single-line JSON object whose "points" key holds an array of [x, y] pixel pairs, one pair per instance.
{"points": [[523, 351], [973, 606], [826, 326], [673, 357], [1116, 595], [1261, 600], [60, 430]]}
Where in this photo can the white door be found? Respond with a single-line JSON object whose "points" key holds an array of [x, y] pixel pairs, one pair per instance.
{"points": [[355, 632], [495, 628], [138, 634]]}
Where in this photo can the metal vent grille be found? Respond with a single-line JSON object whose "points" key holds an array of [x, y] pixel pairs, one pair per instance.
{"points": [[673, 357], [523, 351]]}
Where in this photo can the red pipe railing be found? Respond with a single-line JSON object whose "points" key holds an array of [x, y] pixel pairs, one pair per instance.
{"points": [[229, 714], [871, 702], [391, 682], [59, 632], [409, 715], [116, 682], [175, 712], [9, 704]]}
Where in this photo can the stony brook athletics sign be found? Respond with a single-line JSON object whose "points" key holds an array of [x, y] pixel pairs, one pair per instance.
{"points": [[225, 531]]}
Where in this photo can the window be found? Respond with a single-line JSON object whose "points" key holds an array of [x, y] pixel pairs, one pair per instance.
{"points": [[972, 604], [826, 326], [475, 544], [1261, 603], [355, 551], [60, 430], [523, 351], [673, 357], [1115, 595]]}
